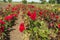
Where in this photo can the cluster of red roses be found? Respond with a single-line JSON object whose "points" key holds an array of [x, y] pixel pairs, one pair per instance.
{"points": [[7, 18], [34, 14], [1, 24], [10, 15], [47, 15]]}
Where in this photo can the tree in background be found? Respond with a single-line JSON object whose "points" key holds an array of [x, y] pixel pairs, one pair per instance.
{"points": [[58, 1], [9, 1], [24, 1], [52, 1], [43, 1], [32, 2], [4, 0]]}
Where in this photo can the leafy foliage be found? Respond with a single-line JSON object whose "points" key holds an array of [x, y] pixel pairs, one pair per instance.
{"points": [[24, 1], [9, 1]]}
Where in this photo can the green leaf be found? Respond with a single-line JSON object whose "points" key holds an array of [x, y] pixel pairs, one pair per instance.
{"points": [[35, 29], [42, 33]]}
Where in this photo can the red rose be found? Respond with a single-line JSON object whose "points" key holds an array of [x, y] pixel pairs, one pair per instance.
{"points": [[9, 5], [2, 22], [18, 12], [21, 27], [29, 13], [14, 9], [30, 6], [14, 15], [41, 13], [58, 25], [7, 18], [33, 16], [57, 16], [2, 28]]}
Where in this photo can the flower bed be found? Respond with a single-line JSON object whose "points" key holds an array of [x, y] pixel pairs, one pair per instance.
{"points": [[39, 23], [8, 16]]}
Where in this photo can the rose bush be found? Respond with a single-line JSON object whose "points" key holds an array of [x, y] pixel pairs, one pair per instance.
{"points": [[10, 14], [41, 24]]}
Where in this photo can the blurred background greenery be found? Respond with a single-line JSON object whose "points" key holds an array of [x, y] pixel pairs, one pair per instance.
{"points": [[41, 1]]}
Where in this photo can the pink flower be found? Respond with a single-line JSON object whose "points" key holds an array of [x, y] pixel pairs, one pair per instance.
{"points": [[51, 24], [7, 8], [52, 15], [21, 27]]}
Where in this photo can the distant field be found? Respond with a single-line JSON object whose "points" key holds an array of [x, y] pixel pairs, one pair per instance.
{"points": [[50, 6], [57, 5], [4, 4]]}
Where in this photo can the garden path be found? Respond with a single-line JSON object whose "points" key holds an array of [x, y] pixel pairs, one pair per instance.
{"points": [[16, 34]]}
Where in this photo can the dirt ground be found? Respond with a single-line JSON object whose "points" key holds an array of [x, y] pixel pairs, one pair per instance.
{"points": [[16, 34]]}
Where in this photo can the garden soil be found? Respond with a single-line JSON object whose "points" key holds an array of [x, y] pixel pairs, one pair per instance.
{"points": [[16, 34]]}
